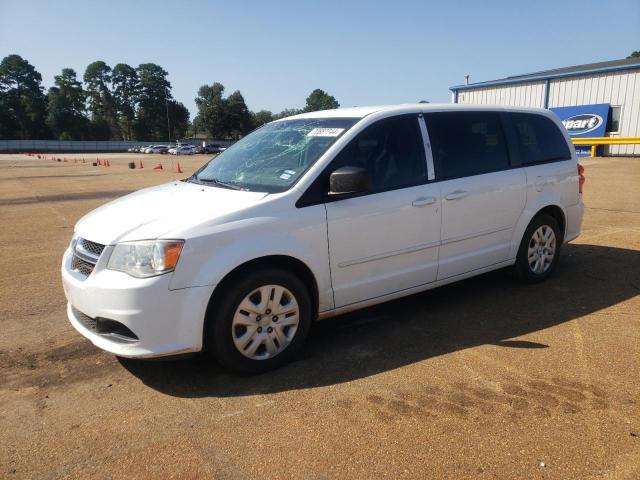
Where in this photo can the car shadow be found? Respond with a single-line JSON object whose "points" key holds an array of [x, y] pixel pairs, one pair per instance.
{"points": [[488, 309]]}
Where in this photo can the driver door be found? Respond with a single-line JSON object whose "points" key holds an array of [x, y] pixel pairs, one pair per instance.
{"points": [[387, 239]]}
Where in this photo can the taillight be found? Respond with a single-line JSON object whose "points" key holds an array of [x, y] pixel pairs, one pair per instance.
{"points": [[582, 179]]}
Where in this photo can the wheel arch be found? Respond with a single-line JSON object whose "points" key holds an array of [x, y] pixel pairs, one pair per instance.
{"points": [[549, 206], [558, 214], [284, 262]]}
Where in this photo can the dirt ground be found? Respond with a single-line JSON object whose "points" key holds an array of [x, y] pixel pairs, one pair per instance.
{"points": [[482, 379]]}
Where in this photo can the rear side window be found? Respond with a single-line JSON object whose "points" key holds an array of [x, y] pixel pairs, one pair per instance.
{"points": [[539, 139], [466, 143]]}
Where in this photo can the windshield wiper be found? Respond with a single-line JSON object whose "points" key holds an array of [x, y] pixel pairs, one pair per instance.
{"points": [[218, 182]]}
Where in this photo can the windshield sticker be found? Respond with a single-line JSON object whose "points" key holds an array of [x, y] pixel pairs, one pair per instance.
{"points": [[285, 176], [290, 172], [325, 132]]}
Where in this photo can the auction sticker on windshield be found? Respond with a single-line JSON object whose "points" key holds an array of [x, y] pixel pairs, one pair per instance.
{"points": [[325, 132]]}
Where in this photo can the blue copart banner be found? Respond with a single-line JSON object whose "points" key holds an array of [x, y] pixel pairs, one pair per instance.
{"points": [[584, 121]]}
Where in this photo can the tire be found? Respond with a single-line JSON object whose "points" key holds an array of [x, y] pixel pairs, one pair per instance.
{"points": [[539, 250], [273, 339]]}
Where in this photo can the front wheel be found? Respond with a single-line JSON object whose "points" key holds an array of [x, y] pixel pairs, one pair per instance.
{"points": [[261, 321], [539, 250]]}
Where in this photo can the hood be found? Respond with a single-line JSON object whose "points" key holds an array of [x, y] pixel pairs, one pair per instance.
{"points": [[155, 212]]}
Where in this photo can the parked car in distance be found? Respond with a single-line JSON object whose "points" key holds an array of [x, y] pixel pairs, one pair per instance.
{"points": [[157, 149], [319, 214], [214, 148], [184, 150]]}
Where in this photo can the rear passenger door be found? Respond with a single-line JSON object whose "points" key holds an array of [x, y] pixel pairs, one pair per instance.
{"points": [[482, 194]]}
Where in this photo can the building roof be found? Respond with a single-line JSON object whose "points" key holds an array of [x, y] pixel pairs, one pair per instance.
{"points": [[589, 68]]}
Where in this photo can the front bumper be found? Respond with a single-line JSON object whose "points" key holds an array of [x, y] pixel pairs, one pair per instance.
{"points": [[166, 322]]}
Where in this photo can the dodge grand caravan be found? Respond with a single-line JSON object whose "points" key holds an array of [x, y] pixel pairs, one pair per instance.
{"points": [[318, 214]]}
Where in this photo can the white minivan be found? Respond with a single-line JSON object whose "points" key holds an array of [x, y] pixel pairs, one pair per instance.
{"points": [[318, 214]]}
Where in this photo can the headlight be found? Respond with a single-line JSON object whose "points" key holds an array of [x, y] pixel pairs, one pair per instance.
{"points": [[146, 258]]}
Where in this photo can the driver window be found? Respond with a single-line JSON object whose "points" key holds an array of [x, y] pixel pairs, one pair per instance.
{"points": [[391, 151]]}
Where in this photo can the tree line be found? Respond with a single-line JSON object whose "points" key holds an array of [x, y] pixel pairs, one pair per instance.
{"points": [[229, 117], [122, 103], [119, 103]]}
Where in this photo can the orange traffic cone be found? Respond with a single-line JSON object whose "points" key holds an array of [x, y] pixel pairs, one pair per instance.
{"points": [[158, 167], [141, 165], [106, 163], [98, 161], [178, 169]]}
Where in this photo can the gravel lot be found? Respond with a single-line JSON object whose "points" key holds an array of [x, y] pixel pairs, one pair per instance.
{"points": [[486, 378]]}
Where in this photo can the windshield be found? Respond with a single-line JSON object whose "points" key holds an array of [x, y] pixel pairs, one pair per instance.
{"points": [[273, 157]]}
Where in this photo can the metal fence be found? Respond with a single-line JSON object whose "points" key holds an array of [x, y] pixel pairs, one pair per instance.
{"points": [[37, 146], [595, 141]]}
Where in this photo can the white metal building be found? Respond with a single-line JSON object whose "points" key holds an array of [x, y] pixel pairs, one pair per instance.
{"points": [[616, 83]]}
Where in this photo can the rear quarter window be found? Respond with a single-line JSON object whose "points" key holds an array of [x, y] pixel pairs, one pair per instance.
{"points": [[466, 143], [539, 139]]}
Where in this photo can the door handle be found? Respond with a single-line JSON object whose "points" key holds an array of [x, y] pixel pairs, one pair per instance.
{"points": [[458, 194], [422, 201]]}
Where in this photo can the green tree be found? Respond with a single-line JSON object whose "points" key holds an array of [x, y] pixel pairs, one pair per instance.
{"points": [[238, 116], [153, 98], [212, 110], [634, 54], [66, 107], [179, 119], [260, 118], [22, 100], [97, 78], [126, 87], [320, 100], [287, 112]]}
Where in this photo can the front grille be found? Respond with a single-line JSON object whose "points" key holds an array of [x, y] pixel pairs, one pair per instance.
{"points": [[90, 247], [81, 266], [85, 256]]}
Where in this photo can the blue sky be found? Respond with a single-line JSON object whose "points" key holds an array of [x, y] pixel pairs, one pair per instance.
{"points": [[364, 53]]}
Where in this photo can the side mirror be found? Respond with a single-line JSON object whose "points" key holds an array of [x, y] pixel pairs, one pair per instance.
{"points": [[346, 180]]}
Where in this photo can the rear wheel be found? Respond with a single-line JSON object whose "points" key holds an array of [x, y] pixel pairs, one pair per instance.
{"points": [[261, 322], [539, 249]]}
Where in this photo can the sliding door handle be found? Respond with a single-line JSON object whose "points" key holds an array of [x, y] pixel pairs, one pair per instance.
{"points": [[422, 201], [457, 195]]}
